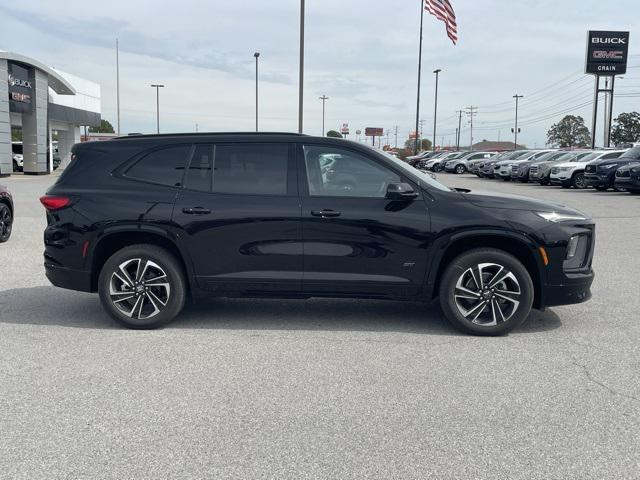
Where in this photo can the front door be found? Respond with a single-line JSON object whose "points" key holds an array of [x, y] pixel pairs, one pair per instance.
{"points": [[356, 242], [240, 216]]}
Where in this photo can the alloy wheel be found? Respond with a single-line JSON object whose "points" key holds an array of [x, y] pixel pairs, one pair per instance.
{"points": [[139, 288], [6, 222], [460, 169], [487, 294], [579, 181]]}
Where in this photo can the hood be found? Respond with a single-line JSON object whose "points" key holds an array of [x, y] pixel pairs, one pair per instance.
{"points": [[569, 164], [513, 202]]}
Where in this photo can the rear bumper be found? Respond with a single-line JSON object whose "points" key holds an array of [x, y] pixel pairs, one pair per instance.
{"points": [[68, 278], [575, 289]]}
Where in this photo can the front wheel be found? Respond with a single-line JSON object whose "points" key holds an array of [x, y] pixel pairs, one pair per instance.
{"points": [[142, 286], [6, 222], [460, 169], [486, 292], [436, 168], [578, 181]]}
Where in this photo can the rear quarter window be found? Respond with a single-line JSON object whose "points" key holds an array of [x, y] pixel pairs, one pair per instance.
{"points": [[164, 166]]}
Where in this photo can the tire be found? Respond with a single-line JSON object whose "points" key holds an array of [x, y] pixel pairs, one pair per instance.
{"points": [[115, 283], [460, 169], [544, 182], [578, 181], [487, 261], [435, 168], [6, 222]]}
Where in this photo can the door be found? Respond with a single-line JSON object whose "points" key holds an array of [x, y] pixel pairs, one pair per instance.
{"points": [[356, 242], [240, 216]]}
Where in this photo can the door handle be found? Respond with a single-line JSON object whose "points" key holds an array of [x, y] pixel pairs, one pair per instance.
{"points": [[196, 211], [326, 213]]}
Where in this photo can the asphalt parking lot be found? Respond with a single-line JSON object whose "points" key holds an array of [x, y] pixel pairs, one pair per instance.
{"points": [[321, 388]]}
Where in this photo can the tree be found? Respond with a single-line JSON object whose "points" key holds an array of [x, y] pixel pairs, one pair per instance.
{"points": [[626, 128], [569, 132], [411, 143], [105, 127], [334, 134]]}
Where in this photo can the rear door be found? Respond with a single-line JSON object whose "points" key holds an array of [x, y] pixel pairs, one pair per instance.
{"points": [[356, 242], [240, 214]]}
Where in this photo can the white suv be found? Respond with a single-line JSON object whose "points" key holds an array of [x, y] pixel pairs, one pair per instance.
{"points": [[571, 174], [503, 169]]}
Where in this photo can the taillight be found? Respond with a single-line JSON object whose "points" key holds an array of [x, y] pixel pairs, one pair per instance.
{"points": [[54, 202]]}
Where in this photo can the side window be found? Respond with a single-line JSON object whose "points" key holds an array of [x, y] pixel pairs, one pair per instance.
{"points": [[252, 169], [335, 172], [199, 174], [611, 155], [165, 166]]}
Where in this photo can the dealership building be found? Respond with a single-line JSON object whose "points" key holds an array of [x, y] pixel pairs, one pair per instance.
{"points": [[42, 102]]}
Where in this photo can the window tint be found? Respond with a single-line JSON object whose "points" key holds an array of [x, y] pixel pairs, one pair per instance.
{"points": [[633, 153], [611, 155], [258, 169], [165, 166], [200, 169], [342, 173]]}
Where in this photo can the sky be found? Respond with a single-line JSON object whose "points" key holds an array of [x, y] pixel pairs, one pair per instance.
{"points": [[362, 54]]}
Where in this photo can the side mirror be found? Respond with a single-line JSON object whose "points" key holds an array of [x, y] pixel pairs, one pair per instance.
{"points": [[400, 191]]}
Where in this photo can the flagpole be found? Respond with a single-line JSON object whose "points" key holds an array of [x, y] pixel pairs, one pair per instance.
{"points": [[419, 75]]}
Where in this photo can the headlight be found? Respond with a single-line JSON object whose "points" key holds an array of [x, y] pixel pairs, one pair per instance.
{"points": [[556, 217], [564, 169]]}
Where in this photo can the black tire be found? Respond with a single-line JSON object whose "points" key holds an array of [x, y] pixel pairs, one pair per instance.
{"points": [[436, 168], [544, 182], [459, 269], [578, 181], [174, 276], [6, 222], [460, 169]]}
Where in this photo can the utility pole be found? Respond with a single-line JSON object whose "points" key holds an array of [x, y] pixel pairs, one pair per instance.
{"points": [[471, 111], [256, 55], [419, 75], [118, 87], [421, 133], [435, 110], [396, 136], [515, 130], [324, 98], [301, 78], [459, 131], [157, 87]]}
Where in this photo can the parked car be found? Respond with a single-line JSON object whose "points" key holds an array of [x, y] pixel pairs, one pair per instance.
{"points": [[6, 214], [521, 171], [486, 167], [435, 163], [541, 172], [571, 173], [147, 222], [503, 169], [413, 160], [461, 164], [628, 178], [601, 173], [475, 165], [17, 156]]}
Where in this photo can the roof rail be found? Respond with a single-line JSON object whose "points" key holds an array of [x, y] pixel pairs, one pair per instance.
{"points": [[203, 134]]}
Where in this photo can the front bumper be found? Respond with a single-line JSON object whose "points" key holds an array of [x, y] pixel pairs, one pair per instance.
{"points": [[597, 180], [575, 289], [560, 180]]}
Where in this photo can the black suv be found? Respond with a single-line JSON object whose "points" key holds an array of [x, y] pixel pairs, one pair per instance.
{"points": [[149, 221], [601, 174]]}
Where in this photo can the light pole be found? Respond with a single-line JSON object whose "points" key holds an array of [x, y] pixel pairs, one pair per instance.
{"points": [[157, 87], [324, 98], [256, 55], [301, 73], [435, 109], [515, 130]]}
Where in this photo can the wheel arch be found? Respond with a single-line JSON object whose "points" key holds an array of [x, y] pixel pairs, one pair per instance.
{"points": [[113, 240], [523, 248]]}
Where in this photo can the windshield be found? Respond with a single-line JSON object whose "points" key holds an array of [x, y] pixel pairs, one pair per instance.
{"points": [[414, 173], [581, 157], [591, 156], [633, 153], [549, 156]]}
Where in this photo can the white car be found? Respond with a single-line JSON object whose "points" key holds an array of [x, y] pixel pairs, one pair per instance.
{"points": [[18, 157], [461, 164], [571, 174]]}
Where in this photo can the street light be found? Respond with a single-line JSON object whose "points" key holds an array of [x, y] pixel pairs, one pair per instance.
{"points": [[157, 87], [435, 109], [324, 98], [256, 55], [515, 130]]}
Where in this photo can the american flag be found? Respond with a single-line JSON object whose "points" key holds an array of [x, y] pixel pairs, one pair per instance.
{"points": [[442, 10]]}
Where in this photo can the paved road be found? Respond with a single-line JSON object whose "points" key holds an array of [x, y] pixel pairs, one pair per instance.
{"points": [[322, 388]]}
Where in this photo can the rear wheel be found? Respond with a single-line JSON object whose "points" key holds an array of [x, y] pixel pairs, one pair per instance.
{"points": [[6, 222], [578, 181], [142, 287], [460, 169], [436, 168], [486, 292]]}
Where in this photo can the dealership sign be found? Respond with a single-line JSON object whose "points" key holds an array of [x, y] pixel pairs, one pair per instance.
{"points": [[20, 88], [607, 52]]}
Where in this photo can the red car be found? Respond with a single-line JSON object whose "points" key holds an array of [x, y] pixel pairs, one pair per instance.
{"points": [[6, 214]]}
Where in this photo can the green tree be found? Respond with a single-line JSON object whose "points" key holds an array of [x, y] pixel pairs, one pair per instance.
{"points": [[626, 128], [569, 132], [334, 134], [105, 127], [410, 144]]}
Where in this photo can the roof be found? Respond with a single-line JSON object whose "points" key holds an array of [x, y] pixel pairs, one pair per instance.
{"points": [[497, 146], [56, 81], [206, 134]]}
